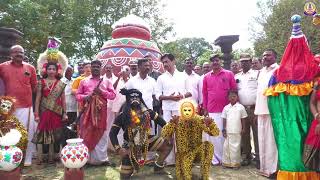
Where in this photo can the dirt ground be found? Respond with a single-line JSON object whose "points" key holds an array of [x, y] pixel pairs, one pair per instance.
{"points": [[56, 172]]}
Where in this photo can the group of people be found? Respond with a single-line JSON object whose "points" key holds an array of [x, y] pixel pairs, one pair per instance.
{"points": [[138, 108], [58, 101]]}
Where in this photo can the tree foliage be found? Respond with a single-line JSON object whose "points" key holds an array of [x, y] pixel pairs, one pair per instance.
{"points": [[83, 25], [182, 49], [237, 52], [274, 18]]}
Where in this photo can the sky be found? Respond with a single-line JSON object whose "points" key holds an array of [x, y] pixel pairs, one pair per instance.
{"points": [[212, 18]]}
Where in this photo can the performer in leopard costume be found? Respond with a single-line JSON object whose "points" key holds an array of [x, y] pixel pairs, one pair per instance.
{"points": [[9, 121], [188, 129], [135, 120]]}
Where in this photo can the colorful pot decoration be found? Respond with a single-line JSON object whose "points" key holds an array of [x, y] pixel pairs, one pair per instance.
{"points": [[10, 154], [75, 154], [130, 40]]}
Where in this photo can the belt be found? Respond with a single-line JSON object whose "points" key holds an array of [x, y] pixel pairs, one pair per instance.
{"points": [[250, 106]]}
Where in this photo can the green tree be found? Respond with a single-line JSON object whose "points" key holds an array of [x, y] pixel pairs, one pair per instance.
{"points": [[237, 52], [187, 48], [274, 18], [83, 25], [206, 55], [175, 49], [195, 47]]}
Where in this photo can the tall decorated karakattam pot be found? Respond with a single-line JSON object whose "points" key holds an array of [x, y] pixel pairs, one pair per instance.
{"points": [[74, 156], [10, 155], [131, 39]]}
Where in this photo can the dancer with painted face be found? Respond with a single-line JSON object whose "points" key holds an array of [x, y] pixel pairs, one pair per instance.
{"points": [[9, 121], [135, 120]]}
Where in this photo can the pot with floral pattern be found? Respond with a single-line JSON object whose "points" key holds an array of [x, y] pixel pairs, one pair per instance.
{"points": [[75, 154], [10, 154]]}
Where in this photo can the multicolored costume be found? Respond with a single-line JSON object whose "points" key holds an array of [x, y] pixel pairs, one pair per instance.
{"points": [[51, 107], [188, 129], [135, 120], [288, 101], [51, 110], [50, 101], [9, 121]]}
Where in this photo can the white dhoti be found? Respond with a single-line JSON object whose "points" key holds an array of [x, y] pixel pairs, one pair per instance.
{"points": [[267, 146], [167, 116], [99, 154], [217, 141], [232, 150], [111, 119], [26, 117], [152, 154]]}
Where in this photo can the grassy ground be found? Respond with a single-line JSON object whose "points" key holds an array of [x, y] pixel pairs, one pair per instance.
{"points": [[55, 172]]}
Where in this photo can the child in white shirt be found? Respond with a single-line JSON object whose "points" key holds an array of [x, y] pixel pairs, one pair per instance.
{"points": [[233, 115]]}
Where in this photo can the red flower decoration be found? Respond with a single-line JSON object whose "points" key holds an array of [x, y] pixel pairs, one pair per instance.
{"points": [[141, 162], [17, 157]]}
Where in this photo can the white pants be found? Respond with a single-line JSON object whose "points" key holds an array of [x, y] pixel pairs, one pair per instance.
{"points": [[268, 151], [217, 141], [167, 115], [26, 117]]}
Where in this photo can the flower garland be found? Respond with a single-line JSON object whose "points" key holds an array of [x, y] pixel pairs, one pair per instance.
{"points": [[134, 117], [141, 129]]}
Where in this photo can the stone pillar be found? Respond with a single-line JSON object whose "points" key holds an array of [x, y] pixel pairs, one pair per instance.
{"points": [[225, 43], [8, 38]]}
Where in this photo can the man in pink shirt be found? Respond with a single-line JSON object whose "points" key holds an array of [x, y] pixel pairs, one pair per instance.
{"points": [[216, 85], [95, 91]]}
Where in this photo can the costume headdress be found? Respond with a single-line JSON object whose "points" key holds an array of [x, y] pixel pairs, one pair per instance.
{"points": [[297, 63], [298, 66], [129, 93], [52, 54]]}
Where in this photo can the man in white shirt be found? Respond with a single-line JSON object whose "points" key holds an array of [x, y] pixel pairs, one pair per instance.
{"points": [[267, 147], [108, 69], [71, 104], [206, 67], [197, 69], [247, 83], [193, 80], [171, 87], [133, 64], [143, 82]]}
